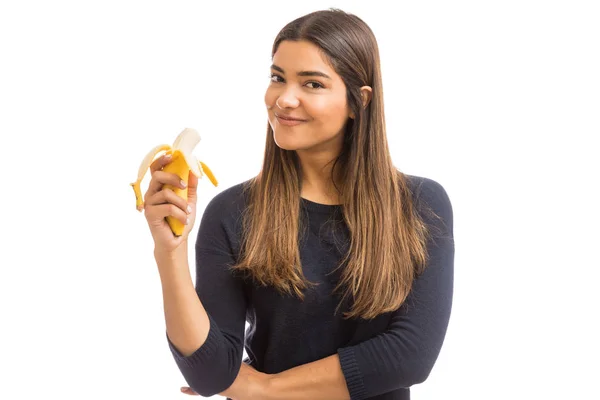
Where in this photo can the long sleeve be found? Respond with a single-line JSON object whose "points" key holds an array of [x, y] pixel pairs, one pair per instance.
{"points": [[214, 366], [405, 353]]}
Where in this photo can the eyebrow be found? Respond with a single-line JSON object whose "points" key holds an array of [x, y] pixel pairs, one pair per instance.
{"points": [[302, 73]]}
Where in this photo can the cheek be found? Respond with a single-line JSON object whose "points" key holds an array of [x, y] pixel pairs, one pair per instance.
{"points": [[331, 113], [270, 98]]}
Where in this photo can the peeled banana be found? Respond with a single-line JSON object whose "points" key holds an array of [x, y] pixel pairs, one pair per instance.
{"points": [[182, 161]]}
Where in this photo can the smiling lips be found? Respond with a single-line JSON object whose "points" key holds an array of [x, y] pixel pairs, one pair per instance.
{"points": [[288, 120]]}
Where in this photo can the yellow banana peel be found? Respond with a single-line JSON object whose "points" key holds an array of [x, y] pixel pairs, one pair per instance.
{"points": [[182, 162]]}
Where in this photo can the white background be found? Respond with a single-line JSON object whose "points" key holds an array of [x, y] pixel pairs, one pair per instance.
{"points": [[497, 101]]}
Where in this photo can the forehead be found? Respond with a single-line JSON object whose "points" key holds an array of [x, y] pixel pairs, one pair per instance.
{"points": [[294, 56]]}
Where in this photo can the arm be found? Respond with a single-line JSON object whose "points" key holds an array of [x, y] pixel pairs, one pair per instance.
{"points": [[186, 320], [205, 325], [405, 353], [322, 379]]}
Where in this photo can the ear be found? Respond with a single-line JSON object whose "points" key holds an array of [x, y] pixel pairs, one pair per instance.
{"points": [[366, 93]]}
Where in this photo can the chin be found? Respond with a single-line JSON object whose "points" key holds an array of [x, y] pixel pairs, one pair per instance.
{"points": [[286, 142], [287, 145]]}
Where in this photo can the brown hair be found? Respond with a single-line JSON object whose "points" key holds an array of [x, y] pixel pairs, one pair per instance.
{"points": [[387, 237]]}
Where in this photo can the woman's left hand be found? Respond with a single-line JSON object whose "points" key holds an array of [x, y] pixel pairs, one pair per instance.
{"points": [[250, 384], [188, 390]]}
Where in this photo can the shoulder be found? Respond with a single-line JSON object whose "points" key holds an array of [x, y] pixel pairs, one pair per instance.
{"points": [[225, 209], [427, 188], [229, 201], [430, 196], [221, 223]]}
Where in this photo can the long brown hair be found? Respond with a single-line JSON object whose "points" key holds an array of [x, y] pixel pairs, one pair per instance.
{"points": [[387, 237]]}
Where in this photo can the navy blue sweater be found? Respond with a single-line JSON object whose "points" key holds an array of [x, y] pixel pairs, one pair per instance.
{"points": [[380, 358]]}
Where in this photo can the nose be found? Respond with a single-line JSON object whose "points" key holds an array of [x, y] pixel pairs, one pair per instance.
{"points": [[287, 98]]}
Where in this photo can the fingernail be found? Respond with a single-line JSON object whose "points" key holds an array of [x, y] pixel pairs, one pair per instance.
{"points": [[189, 209], [187, 221], [183, 184]]}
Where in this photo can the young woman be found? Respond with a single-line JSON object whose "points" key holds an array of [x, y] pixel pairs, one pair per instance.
{"points": [[341, 264]]}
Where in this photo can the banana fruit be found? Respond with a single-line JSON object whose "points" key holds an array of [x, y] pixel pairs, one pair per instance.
{"points": [[183, 161]]}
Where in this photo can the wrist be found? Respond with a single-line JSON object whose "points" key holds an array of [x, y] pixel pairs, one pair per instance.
{"points": [[251, 384], [171, 255], [169, 262]]}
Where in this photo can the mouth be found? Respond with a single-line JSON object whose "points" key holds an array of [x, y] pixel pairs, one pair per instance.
{"points": [[289, 118]]}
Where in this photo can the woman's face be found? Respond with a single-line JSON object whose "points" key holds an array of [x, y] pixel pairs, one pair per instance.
{"points": [[306, 99]]}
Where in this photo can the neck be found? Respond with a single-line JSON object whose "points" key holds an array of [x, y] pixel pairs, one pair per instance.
{"points": [[317, 183]]}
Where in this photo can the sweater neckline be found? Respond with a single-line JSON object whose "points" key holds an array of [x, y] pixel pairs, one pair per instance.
{"points": [[319, 207]]}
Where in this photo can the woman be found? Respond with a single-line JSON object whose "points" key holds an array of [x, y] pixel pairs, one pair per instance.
{"points": [[341, 264]]}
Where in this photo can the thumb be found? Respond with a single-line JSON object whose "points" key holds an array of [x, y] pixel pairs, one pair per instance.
{"points": [[192, 188]]}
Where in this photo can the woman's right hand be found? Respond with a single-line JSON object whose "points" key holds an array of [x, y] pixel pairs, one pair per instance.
{"points": [[161, 202]]}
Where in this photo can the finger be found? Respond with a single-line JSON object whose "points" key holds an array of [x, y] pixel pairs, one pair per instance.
{"points": [[168, 196], [192, 188], [189, 391], [160, 162], [161, 178], [156, 214]]}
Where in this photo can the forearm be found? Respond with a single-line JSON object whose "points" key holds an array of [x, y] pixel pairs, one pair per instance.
{"points": [[248, 385], [186, 320], [322, 379]]}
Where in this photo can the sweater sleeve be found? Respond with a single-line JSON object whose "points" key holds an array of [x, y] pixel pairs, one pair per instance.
{"points": [[405, 353], [213, 367]]}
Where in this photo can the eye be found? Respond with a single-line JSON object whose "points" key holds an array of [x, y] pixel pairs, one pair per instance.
{"points": [[316, 85], [275, 78]]}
